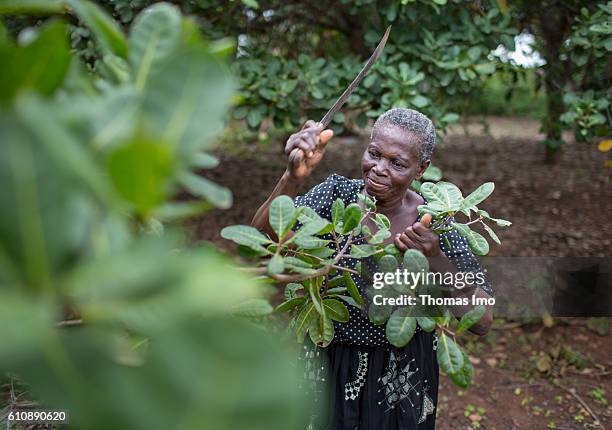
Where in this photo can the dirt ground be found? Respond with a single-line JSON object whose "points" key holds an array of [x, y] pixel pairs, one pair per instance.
{"points": [[557, 210]]}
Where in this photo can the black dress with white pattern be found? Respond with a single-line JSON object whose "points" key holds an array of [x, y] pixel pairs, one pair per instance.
{"points": [[373, 385]]}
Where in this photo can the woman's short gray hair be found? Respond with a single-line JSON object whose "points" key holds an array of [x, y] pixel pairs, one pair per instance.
{"points": [[411, 121]]}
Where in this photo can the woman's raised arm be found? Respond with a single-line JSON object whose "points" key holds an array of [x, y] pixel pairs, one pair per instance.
{"points": [[311, 140]]}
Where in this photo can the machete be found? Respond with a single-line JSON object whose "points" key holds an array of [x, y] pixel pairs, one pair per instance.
{"points": [[297, 153]]}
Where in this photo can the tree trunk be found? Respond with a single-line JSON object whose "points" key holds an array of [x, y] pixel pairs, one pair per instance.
{"points": [[554, 27]]}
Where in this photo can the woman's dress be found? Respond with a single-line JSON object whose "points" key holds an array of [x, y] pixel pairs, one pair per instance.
{"points": [[361, 381]]}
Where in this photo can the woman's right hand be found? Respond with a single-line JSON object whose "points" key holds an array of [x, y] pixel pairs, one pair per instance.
{"points": [[310, 142]]}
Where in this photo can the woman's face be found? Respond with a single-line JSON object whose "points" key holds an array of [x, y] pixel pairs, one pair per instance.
{"points": [[391, 162]]}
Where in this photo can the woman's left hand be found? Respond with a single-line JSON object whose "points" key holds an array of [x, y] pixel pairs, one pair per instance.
{"points": [[419, 237]]}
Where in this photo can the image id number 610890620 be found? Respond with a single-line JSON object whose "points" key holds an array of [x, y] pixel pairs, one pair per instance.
{"points": [[56, 416]]}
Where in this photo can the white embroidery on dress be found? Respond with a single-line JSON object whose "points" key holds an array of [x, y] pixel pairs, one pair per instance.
{"points": [[397, 384], [352, 389], [428, 407], [313, 380]]}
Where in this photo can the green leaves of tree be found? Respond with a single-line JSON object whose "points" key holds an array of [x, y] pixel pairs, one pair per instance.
{"points": [[401, 327], [470, 318], [105, 29], [415, 261], [335, 310], [444, 200], [153, 37], [478, 195], [450, 357], [351, 217], [246, 235], [204, 188], [141, 172], [282, 215], [41, 65], [352, 289]]}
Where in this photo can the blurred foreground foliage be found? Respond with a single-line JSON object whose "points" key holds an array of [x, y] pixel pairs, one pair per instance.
{"points": [[88, 167]]}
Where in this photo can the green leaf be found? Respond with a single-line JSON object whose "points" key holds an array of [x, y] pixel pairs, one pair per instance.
{"points": [[246, 235], [382, 222], [450, 118], [463, 377], [380, 236], [474, 53], [276, 265], [379, 315], [452, 195], [312, 223], [252, 308], [290, 304], [176, 211], [336, 310], [420, 101], [387, 263], [254, 118], [477, 243], [141, 172], [391, 249], [478, 195], [352, 289], [309, 242], [291, 290], [153, 37], [444, 193], [499, 222], [217, 195], [349, 301], [14, 7], [450, 357], [304, 320], [203, 160], [400, 327], [337, 281], [321, 331], [440, 2], [187, 111], [41, 65], [323, 252], [426, 323], [253, 4], [335, 291], [106, 30], [485, 68], [282, 215], [298, 266], [470, 318], [313, 226], [367, 201], [363, 251], [415, 261], [432, 173], [337, 211], [351, 218], [491, 233], [313, 286], [463, 229]]}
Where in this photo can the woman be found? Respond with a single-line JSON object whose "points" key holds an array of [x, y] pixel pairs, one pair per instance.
{"points": [[374, 385]]}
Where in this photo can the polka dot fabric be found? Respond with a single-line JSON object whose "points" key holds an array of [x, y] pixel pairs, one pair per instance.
{"points": [[359, 330]]}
